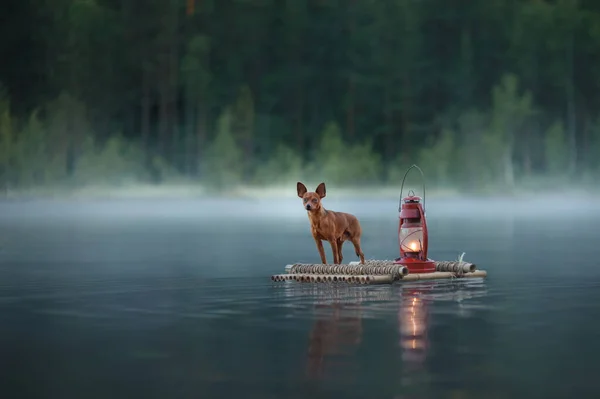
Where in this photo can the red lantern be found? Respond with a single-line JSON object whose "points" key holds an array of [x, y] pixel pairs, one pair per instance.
{"points": [[412, 233]]}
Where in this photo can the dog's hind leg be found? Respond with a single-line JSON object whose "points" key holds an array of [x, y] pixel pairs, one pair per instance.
{"points": [[340, 243], [359, 253]]}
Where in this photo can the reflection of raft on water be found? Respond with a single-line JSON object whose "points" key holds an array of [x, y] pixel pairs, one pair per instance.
{"points": [[375, 272]]}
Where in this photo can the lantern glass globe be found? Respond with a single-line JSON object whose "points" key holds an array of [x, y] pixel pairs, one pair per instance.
{"points": [[411, 239]]}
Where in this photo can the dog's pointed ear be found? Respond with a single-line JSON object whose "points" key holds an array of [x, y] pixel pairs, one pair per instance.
{"points": [[321, 190], [301, 189]]}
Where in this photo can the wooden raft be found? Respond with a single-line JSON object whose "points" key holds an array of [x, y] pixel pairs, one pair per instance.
{"points": [[375, 272]]}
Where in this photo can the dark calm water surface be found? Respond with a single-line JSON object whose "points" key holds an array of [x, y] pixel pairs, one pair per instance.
{"points": [[172, 299]]}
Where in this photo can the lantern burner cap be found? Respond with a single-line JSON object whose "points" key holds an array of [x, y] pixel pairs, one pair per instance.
{"points": [[411, 199]]}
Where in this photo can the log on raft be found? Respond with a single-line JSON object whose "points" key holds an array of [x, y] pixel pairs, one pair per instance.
{"points": [[443, 275], [367, 269]]}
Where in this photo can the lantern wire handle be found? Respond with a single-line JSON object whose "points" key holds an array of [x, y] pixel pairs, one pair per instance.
{"points": [[402, 187]]}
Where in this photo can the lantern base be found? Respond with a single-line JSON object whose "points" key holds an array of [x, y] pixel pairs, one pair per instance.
{"points": [[416, 265]]}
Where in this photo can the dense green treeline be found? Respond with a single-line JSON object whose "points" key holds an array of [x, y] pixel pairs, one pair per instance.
{"points": [[481, 93]]}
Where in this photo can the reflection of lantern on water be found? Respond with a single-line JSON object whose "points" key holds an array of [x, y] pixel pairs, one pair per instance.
{"points": [[335, 335], [413, 320]]}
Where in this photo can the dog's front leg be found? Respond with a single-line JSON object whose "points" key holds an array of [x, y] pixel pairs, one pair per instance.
{"points": [[321, 250], [334, 249]]}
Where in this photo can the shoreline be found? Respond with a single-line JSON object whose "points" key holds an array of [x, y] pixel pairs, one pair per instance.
{"points": [[198, 192]]}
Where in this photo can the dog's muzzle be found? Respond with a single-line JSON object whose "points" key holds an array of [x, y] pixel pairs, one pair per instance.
{"points": [[308, 207]]}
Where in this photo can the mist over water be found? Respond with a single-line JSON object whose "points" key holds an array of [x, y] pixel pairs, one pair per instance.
{"points": [[172, 298], [129, 281]]}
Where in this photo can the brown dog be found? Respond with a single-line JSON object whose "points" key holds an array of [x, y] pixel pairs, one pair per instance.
{"points": [[334, 227]]}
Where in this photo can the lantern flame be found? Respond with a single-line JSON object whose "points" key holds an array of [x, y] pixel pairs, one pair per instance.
{"points": [[414, 246]]}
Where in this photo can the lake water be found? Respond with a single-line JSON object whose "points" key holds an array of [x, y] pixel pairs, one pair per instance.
{"points": [[173, 299]]}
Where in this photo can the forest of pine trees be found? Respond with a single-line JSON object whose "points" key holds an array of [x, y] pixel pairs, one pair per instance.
{"points": [[480, 93]]}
